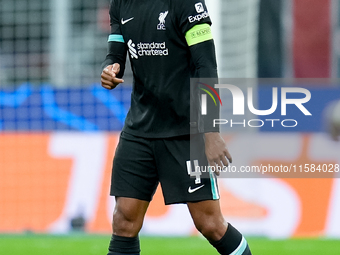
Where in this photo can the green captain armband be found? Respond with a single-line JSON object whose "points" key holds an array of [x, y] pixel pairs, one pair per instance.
{"points": [[199, 33]]}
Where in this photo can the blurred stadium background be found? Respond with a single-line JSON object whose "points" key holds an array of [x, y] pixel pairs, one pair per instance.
{"points": [[59, 128]]}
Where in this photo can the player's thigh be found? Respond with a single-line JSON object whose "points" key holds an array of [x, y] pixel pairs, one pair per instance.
{"points": [[134, 173], [176, 160], [204, 209]]}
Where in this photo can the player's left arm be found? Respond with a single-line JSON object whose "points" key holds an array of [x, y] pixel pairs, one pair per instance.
{"points": [[202, 49], [194, 22]]}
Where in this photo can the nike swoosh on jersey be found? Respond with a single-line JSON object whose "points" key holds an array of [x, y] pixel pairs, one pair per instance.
{"points": [[190, 190], [126, 21]]}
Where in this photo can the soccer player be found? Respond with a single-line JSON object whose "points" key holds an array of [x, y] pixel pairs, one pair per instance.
{"points": [[168, 43]]}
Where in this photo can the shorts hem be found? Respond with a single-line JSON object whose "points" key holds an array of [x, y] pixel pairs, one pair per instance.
{"points": [[131, 196], [185, 201]]}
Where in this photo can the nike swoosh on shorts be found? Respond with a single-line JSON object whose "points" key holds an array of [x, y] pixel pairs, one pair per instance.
{"points": [[190, 190]]}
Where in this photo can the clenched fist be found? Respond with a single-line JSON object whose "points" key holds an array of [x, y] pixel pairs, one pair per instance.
{"points": [[109, 78]]}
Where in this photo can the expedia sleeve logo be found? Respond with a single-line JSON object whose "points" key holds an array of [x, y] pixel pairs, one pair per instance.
{"points": [[202, 13], [147, 49]]}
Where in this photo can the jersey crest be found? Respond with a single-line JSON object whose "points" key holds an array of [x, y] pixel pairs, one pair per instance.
{"points": [[162, 17]]}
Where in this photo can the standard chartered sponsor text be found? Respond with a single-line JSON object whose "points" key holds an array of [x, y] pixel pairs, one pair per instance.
{"points": [[152, 49]]}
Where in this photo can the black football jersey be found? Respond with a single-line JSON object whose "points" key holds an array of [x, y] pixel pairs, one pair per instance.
{"points": [[154, 35]]}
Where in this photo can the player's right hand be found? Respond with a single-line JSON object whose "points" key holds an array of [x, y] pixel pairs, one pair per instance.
{"points": [[109, 78]]}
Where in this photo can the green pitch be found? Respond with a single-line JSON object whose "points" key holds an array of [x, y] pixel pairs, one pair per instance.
{"points": [[97, 245]]}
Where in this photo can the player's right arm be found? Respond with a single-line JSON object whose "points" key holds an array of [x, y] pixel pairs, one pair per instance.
{"points": [[109, 77], [114, 64]]}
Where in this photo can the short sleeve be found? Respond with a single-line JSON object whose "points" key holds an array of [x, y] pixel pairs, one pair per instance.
{"points": [[190, 13], [114, 17]]}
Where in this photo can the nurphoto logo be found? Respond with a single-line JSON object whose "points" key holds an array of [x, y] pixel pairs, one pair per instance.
{"points": [[207, 88], [289, 96]]}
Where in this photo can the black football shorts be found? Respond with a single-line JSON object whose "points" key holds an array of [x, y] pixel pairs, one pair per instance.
{"points": [[141, 163]]}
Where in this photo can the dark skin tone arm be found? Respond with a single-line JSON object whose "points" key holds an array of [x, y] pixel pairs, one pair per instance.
{"points": [[108, 76], [216, 150]]}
